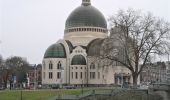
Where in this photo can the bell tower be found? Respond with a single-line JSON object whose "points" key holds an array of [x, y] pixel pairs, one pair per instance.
{"points": [[86, 2]]}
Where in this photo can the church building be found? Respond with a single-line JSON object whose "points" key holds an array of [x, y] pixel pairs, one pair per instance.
{"points": [[72, 60]]}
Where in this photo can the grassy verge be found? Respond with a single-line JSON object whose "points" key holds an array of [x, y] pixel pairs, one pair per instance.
{"points": [[34, 94]]}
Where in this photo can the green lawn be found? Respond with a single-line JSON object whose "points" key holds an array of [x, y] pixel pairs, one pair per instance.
{"points": [[34, 94], [43, 94]]}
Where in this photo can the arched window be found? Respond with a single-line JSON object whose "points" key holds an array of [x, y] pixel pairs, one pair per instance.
{"points": [[92, 66], [50, 65], [50, 75], [59, 65]]}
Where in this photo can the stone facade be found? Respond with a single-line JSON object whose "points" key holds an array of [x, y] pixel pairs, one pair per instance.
{"points": [[168, 72], [154, 73], [34, 76]]}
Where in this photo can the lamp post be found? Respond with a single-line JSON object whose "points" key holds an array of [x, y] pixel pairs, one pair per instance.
{"points": [[82, 87], [61, 83], [122, 78], [35, 76], [21, 93]]}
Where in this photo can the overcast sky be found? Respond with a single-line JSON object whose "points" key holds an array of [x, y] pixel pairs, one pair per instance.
{"points": [[28, 27]]}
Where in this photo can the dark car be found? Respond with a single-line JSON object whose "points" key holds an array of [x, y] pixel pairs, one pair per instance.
{"points": [[69, 87], [55, 86]]}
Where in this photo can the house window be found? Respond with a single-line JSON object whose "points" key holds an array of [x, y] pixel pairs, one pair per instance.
{"points": [[92, 75], [81, 75], [76, 75], [50, 75], [50, 65], [58, 75], [92, 66], [59, 65]]}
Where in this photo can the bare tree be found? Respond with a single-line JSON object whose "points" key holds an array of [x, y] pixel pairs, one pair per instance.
{"points": [[137, 37], [1, 70], [16, 66], [3, 73], [1, 60]]}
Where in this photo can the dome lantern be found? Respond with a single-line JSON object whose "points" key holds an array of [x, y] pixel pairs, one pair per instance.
{"points": [[86, 2]]}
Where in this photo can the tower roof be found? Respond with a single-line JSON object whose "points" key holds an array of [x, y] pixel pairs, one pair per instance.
{"points": [[86, 16], [55, 51]]}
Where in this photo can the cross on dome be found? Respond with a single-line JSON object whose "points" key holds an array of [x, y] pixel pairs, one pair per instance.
{"points": [[86, 2]]}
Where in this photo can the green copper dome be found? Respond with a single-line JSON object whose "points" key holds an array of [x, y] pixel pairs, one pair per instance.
{"points": [[94, 47], [78, 60], [86, 16], [55, 51]]}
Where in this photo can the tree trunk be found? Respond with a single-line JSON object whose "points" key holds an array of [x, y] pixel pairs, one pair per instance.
{"points": [[5, 83], [5, 79], [135, 79]]}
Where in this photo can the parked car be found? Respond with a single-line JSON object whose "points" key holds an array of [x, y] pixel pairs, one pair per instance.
{"points": [[69, 87], [55, 86]]}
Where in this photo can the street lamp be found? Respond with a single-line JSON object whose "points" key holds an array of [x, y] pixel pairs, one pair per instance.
{"points": [[21, 93], [122, 77], [35, 76], [82, 87]]}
